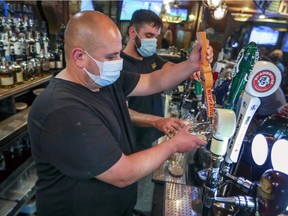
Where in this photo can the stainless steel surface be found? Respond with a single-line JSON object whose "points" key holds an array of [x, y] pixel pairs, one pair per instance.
{"points": [[182, 200], [6, 207], [162, 174], [22, 186]]}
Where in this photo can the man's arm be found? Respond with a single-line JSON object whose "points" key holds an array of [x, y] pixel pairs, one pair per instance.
{"points": [[130, 168], [168, 77], [168, 126]]}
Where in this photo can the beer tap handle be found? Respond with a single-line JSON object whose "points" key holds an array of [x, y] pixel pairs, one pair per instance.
{"points": [[206, 74], [264, 80], [246, 202]]}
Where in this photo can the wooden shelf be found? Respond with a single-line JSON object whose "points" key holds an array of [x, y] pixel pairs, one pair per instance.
{"points": [[4, 93]]}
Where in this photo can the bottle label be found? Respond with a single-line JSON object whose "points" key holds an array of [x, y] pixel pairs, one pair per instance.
{"points": [[38, 48], [59, 64], [52, 64], [45, 66], [17, 48], [19, 76], [7, 81]]}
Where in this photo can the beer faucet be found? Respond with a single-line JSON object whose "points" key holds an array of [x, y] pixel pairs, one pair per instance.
{"points": [[270, 197], [221, 134]]}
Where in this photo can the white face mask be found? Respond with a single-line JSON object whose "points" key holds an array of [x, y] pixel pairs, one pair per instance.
{"points": [[109, 71], [148, 46]]}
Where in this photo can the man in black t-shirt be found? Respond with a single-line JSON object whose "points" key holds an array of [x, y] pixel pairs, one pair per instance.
{"points": [[80, 130], [140, 56]]}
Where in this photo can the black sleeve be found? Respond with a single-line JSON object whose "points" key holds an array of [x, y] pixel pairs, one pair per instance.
{"points": [[159, 61], [128, 81], [78, 143]]}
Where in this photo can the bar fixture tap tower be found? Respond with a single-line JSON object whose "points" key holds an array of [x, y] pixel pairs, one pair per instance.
{"points": [[221, 134]]}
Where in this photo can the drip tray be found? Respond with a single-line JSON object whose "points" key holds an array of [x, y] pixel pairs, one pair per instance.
{"points": [[182, 200], [6, 207]]}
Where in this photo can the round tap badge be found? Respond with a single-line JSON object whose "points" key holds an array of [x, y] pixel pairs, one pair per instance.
{"points": [[264, 79]]}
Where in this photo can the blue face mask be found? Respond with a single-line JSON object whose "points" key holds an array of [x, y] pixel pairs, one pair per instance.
{"points": [[148, 46], [109, 71]]}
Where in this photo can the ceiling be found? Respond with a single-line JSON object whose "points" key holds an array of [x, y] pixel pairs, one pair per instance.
{"points": [[254, 8]]}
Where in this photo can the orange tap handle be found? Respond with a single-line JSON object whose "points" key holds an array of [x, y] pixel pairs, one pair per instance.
{"points": [[206, 74]]}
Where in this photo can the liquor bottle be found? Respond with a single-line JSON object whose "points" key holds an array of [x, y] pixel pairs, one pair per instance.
{"points": [[52, 64], [6, 45], [6, 75], [44, 62], [58, 59], [245, 62], [31, 69], [37, 43], [31, 44], [26, 75], [45, 42], [16, 70]]}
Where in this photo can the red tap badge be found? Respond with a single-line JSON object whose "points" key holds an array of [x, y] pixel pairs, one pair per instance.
{"points": [[263, 81]]}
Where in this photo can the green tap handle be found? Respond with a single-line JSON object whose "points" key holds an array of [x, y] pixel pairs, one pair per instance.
{"points": [[198, 89], [246, 60]]}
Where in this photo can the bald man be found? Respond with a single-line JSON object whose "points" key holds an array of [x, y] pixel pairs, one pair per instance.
{"points": [[80, 129]]}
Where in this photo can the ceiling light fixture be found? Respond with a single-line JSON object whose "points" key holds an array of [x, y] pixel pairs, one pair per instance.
{"points": [[192, 17], [219, 12], [241, 17], [212, 4], [262, 16], [172, 19]]}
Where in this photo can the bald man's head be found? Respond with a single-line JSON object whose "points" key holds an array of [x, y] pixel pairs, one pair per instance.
{"points": [[88, 30]]}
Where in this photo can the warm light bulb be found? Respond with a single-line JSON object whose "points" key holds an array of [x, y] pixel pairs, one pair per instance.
{"points": [[167, 8], [262, 16], [219, 12], [214, 3], [192, 17]]}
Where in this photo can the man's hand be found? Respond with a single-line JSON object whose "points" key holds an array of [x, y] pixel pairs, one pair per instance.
{"points": [[185, 142], [283, 110], [195, 56], [169, 126]]}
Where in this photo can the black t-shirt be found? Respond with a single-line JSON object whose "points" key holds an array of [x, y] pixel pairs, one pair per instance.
{"points": [[75, 135], [151, 104]]}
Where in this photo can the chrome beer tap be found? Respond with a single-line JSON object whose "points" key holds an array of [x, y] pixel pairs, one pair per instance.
{"points": [[223, 123]]}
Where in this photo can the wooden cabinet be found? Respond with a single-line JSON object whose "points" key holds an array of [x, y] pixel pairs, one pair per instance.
{"points": [[17, 171]]}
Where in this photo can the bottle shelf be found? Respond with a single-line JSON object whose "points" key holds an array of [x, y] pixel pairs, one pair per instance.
{"points": [[13, 125], [4, 93]]}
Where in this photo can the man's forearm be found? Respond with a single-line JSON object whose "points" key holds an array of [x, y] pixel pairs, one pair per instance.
{"points": [[142, 119]]}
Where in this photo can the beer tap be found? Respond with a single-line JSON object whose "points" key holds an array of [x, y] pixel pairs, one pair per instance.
{"points": [[221, 134], [264, 80], [270, 198]]}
